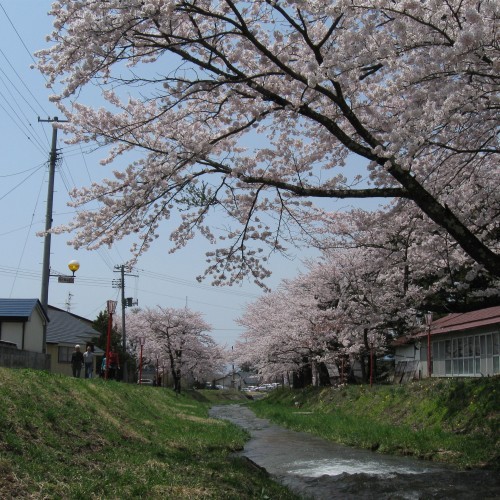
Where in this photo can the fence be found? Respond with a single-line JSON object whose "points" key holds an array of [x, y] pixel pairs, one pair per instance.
{"points": [[12, 357], [406, 371]]}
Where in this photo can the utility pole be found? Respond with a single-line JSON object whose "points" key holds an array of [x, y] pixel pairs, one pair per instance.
{"points": [[125, 303], [44, 296]]}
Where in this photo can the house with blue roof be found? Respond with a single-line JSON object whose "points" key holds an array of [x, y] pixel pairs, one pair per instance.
{"points": [[23, 326], [22, 323]]}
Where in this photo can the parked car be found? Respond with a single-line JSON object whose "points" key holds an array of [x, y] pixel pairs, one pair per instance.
{"points": [[268, 387], [249, 388], [146, 381]]}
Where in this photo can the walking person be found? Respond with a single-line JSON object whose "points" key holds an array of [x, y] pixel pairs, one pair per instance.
{"points": [[89, 362], [113, 365], [77, 361], [102, 372]]}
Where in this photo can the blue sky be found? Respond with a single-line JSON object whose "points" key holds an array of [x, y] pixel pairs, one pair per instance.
{"points": [[162, 278]]}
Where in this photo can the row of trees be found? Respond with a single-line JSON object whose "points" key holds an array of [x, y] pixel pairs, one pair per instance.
{"points": [[355, 301], [344, 304]]}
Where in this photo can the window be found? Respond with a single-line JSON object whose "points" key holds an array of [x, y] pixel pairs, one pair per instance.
{"points": [[470, 352], [496, 352], [471, 355], [64, 354], [447, 357]]}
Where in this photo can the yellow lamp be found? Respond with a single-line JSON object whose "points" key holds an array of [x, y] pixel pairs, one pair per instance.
{"points": [[74, 265]]}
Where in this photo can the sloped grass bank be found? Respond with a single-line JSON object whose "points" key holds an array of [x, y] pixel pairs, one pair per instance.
{"points": [[73, 438], [448, 420]]}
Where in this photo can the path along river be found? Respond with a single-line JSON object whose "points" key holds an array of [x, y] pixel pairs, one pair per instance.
{"points": [[318, 469]]}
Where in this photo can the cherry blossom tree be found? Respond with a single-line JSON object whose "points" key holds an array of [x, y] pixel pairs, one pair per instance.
{"points": [[253, 109], [176, 338], [346, 306], [420, 264], [333, 314]]}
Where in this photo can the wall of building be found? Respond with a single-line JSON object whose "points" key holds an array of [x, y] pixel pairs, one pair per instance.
{"points": [[471, 353], [12, 332], [55, 365], [33, 334], [27, 335]]}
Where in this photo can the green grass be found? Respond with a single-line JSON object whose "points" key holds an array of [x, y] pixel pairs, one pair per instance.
{"points": [[73, 438], [455, 421]]}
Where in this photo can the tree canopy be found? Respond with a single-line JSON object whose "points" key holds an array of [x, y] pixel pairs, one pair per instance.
{"points": [[177, 339], [253, 109]]}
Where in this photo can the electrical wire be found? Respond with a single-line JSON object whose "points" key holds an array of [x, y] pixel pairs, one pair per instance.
{"points": [[27, 236], [30, 55], [22, 171], [20, 183], [180, 281], [19, 127], [183, 299]]}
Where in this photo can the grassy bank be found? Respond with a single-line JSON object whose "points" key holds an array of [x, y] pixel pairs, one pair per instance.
{"points": [[73, 438], [454, 421]]}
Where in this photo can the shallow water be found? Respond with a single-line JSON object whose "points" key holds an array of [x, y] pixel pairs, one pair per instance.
{"points": [[319, 469]]}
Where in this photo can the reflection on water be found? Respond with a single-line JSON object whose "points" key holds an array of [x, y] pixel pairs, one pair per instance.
{"points": [[319, 469]]}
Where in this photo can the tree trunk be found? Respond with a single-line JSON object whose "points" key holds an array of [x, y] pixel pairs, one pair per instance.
{"points": [[323, 375]]}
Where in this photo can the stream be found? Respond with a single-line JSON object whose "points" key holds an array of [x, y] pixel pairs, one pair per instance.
{"points": [[318, 469]]}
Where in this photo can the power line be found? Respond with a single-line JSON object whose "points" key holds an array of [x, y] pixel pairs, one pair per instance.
{"points": [[180, 281], [20, 183], [30, 55], [19, 127], [16, 89], [183, 299], [23, 171], [17, 33], [26, 239]]}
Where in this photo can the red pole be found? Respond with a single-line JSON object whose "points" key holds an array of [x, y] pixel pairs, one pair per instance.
{"points": [[428, 322], [429, 368], [108, 343]]}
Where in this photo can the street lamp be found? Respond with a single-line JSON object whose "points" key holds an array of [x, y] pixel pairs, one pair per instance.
{"points": [[73, 265], [111, 305], [428, 322], [142, 340]]}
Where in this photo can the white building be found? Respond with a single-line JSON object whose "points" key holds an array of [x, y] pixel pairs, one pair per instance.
{"points": [[462, 345]]}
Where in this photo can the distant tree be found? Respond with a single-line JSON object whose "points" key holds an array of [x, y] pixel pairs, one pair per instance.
{"points": [[101, 325], [246, 367], [252, 109], [177, 338]]}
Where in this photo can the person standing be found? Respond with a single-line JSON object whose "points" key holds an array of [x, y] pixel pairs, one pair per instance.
{"points": [[89, 362], [114, 364], [77, 361]]}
